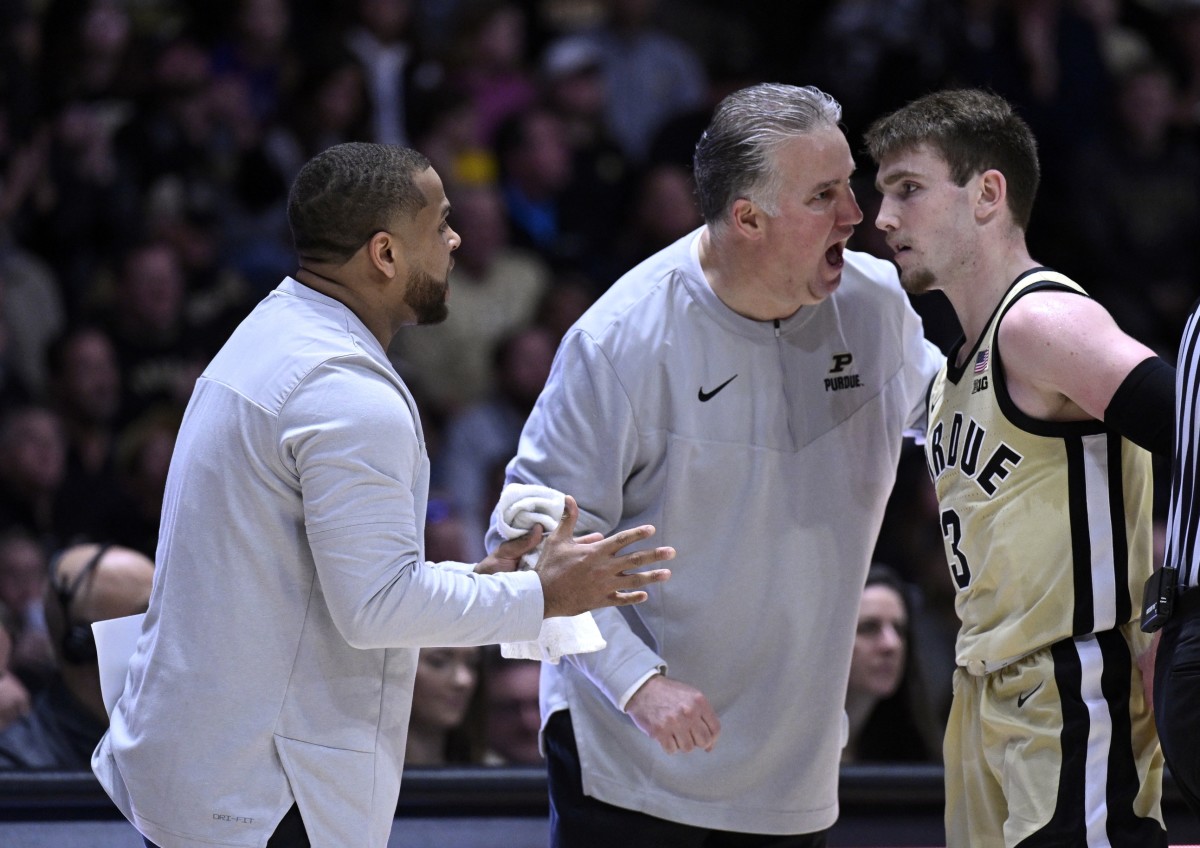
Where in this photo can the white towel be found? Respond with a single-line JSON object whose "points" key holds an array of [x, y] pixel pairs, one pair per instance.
{"points": [[521, 507]]}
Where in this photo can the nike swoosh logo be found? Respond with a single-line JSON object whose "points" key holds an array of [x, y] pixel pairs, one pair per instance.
{"points": [[1021, 699], [707, 396]]}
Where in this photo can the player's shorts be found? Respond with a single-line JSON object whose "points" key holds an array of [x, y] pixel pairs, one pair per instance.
{"points": [[1058, 748]]}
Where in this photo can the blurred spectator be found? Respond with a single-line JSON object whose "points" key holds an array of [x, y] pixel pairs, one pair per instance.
{"points": [[575, 90], [564, 302], [486, 433], [19, 365], [382, 38], [223, 276], [23, 581], [86, 51], [572, 76], [257, 241], [487, 61], [888, 715], [31, 304], [1049, 61], [85, 391], [32, 466], [535, 171], [71, 220], [437, 22], [159, 352], [254, 72], [651, 75], [663, 210], [1136, 201], [1183, 53], [446, 725], [14, 697], [88, 583], [76, 202], [494, 287], [170, 143], [256, 57], [21, 53], [328, 106], [514, 718], [550, 206], [143, 459], [876, 55], [675, 140], [445, 127], [23, 181], [1121, 45], [85, 388], [727, 38]]}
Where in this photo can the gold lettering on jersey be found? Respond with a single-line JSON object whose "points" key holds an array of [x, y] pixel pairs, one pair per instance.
{"points": [[963, 451]]}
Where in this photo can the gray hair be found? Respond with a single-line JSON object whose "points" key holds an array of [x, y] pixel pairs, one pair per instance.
{"points": [[735, 156], [349, 192]]}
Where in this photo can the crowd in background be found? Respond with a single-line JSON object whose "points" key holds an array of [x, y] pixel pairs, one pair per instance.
{"points": [[147, 146]]}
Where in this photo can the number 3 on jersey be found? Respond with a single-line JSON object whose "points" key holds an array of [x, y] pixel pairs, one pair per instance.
{"points": [[952, 530]]}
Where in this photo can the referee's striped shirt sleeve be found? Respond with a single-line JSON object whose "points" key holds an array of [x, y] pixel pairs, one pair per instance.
{"points": [[1184, 511]]}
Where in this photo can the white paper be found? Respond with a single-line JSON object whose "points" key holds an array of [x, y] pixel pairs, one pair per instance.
{"points": [[115, 640]]}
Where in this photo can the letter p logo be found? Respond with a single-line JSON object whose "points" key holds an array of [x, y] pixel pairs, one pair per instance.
{"points": [[841, 361]]}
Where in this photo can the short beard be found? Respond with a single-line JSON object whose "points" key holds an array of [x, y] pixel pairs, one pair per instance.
{"points": [[918, 282], [425, 295]]}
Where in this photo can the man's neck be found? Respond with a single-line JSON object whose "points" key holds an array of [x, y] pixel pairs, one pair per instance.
{"points": [[979, 288], [331, 283]]}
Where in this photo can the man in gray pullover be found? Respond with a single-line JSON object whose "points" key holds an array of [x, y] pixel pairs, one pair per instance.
{"points": [[746, 390]]}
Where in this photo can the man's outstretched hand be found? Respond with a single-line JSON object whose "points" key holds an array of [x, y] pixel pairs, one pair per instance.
{"points": [[591, 572]]}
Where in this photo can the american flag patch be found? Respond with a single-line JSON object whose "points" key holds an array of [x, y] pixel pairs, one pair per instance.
{"points": [[981, 361]]}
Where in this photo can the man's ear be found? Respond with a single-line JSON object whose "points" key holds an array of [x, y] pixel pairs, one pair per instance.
{"points": [[993, 194], [383, 252], [747, 218]]}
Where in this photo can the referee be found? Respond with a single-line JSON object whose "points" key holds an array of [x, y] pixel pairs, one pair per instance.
{"points": [[1177, 602]]}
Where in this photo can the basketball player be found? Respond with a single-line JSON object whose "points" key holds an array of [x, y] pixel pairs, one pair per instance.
{"points": [[1038, 430]]}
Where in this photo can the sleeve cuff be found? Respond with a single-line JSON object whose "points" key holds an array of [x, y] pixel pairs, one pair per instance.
{"points": [[628, 693]]}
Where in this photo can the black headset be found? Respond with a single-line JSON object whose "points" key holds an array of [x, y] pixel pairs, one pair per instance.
{"points": [[78, 642]]}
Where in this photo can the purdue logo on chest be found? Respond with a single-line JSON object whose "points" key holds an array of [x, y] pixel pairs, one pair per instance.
{"points": [[963, 450]]}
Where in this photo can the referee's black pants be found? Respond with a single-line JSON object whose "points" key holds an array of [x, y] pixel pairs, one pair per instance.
{"points": [[1177, 696], [289, 834], [579, 821]]}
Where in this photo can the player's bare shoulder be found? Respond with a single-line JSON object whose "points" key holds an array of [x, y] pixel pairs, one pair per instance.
{"points": [[1059, 351], [1047, 320]]}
